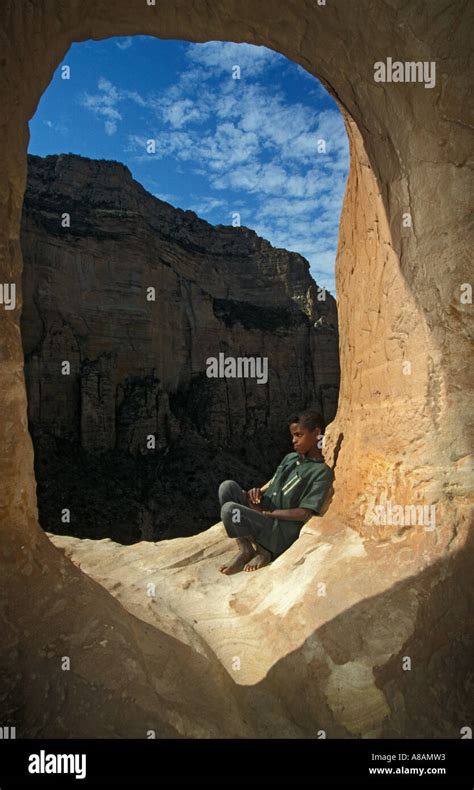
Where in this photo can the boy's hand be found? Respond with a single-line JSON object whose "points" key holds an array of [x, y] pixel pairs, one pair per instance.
{"points": [[255, 496]]}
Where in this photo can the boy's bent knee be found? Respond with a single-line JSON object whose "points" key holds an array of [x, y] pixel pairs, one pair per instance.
{"points": [[227, 487], [229, 509], [226, 483]]}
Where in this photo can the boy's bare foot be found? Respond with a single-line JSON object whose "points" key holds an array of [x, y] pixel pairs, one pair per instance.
{"points": [[245, 554], [262, 557]]}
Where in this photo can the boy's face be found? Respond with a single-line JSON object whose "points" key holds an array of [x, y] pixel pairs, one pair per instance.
{"points": [[303, 439]]}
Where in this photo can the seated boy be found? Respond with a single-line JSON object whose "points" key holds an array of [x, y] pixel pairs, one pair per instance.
{"points": [[265, 521]]}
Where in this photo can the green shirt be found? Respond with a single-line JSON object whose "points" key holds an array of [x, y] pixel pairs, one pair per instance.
{"points": [[297, 482]]}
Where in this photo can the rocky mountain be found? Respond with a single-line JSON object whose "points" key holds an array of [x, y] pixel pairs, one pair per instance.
{"points": [[126, 301]]}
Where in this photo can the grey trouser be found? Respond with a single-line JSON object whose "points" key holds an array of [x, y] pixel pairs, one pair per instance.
{"points": [[239, 519]]}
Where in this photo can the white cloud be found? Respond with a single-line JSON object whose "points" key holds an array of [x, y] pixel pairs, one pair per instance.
{"points": [[221, 56], [178, 113], [282, 207], [57, 127], [104, 104], [110, 127], [227, 147], [125, 44]]}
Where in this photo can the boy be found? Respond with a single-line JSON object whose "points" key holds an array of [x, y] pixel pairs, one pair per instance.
{"points": [[265, 521]]}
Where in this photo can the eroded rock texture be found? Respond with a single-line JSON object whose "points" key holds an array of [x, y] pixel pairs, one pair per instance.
{"points": [[331, 661], [138, 364]]}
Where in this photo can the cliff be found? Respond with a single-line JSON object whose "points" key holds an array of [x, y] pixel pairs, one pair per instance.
{"points": [[136, 296]]}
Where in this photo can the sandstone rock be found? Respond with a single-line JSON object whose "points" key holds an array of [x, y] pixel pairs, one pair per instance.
{"points": [[329, 662]]}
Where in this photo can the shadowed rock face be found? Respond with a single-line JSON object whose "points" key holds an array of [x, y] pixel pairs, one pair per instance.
{"points": [[138, 365], [316, 657]]}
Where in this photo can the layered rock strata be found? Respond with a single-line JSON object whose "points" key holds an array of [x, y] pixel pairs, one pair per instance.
{"points": [[135, 297]]}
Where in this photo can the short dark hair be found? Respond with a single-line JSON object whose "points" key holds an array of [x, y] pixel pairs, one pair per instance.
{"points": [[308, 418]]}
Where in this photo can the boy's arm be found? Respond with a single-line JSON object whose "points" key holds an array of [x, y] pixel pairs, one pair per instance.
{"points": [[294, 514], [310, 502], [267, 485]]}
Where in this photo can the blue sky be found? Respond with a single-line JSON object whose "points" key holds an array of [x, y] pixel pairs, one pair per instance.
{"points": [[222, 145]]}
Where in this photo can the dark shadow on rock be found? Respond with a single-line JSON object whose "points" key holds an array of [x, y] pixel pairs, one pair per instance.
{"points": [[434, 699]]}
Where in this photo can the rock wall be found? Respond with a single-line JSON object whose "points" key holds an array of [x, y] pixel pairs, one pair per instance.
{"points": [[336, 661], [138, 358], [86, 300]]}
